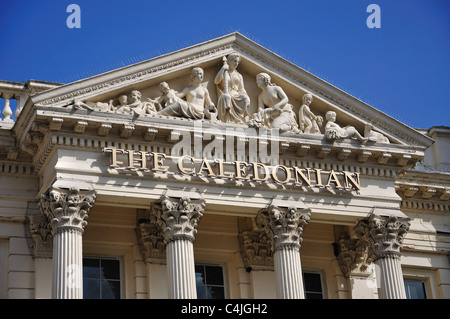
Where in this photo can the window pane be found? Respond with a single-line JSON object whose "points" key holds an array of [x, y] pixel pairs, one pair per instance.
{"points": [[200, 275], [415, 289], [214, 275], [91, 289], [110, 289], [200, 282], [101, 278], [215, 293], [201, 292], [209, 282], [91, 268], [312, 282], [110, 269]]}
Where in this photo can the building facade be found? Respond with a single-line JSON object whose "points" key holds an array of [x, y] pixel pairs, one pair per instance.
{"points": [[217, 171]]}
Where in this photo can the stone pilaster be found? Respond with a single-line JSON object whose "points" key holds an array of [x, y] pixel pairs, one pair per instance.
{"points": [[178, 217], [67, 211], [284, 222], [384, 232]]}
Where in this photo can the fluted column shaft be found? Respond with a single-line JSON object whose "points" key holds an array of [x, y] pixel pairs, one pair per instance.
{"points": [[67, 211], [285, 225], [391, 278], [288, 270], [181, 269], [384, 235], [67, 265], [178, 218]]}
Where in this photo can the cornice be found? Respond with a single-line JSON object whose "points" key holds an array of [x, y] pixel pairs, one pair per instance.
{"points": [[141, 72]]}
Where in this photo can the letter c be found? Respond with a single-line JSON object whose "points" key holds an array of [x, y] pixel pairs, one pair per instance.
{"points": [[181, 167]]}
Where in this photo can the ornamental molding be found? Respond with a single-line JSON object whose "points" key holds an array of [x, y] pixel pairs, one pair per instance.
{"points": [[383, 232], [284, 223], [67, 209], [143, 75], [178, 216]]}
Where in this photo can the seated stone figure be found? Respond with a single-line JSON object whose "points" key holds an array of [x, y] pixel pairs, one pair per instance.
{"points": [[123, 105], [136, 106], [333, 131], [308, 122], [274, 110], [197, 104], [168, 97]]}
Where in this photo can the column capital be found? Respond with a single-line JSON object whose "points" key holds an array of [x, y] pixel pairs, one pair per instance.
{"points": [[178, 216], [384, 232], [67, 209], [284, 221]]}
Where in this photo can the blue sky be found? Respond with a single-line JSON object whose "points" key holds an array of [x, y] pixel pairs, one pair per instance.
{"points": [[402, 68]]}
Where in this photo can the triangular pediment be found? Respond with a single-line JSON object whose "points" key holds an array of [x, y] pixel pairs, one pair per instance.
{"points": [[175, 69]]}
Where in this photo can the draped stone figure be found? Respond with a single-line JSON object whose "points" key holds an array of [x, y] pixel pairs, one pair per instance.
{"points": [[274, 110], [197, 101], [233, 100]]}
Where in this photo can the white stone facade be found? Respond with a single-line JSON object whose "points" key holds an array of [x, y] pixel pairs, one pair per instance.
{"points": [[220, 154]]}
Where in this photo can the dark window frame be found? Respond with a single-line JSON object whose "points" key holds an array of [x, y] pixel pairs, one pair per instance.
{"points": [[213, 285], [407, 281], [100, 280], [312, 293]]}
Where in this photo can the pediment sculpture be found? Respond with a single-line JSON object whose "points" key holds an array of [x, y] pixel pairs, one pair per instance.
{"points": [[233, 101], [273, 107]]}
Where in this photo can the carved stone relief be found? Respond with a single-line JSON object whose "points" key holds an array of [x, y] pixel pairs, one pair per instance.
{"points": [[256, 246], [150, 237], [274, 110], [352, 254], [233, 100], [41, 233], [383, 234]]}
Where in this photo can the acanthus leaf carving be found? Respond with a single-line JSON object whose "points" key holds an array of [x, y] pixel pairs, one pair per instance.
{"points": [[284, 224], [67, 208], [383, 234], [178, 217]]}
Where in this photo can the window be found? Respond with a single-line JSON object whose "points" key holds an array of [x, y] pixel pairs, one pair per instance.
{"points": [[101, 278], [415, 289], [313, 285], [209, 281]]}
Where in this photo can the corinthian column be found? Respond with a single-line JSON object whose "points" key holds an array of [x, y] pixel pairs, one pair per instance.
{"points": [[384, 233], [67, 211], [284, 222], [178, 218]]}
